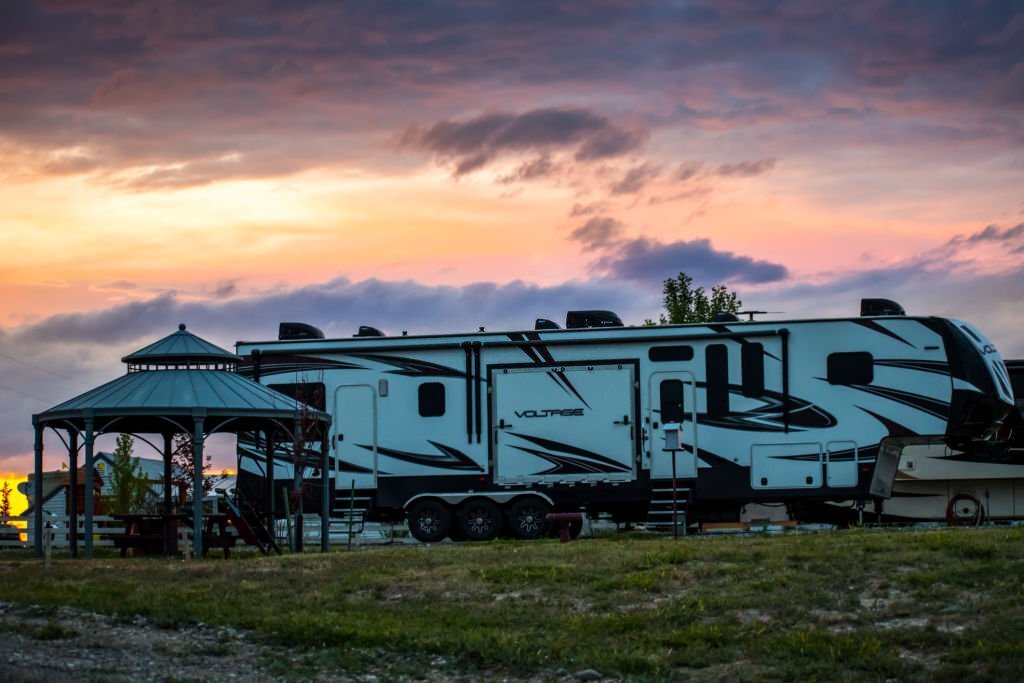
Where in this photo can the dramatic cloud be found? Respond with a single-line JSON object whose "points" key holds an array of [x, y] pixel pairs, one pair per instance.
{"points": [[635, 179], [600, 231], [541, 167], [646, 260], [473, 143], [746, 169]]}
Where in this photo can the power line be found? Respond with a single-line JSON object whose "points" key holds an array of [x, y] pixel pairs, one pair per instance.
{"points": [[36, 367], [22, 393]]}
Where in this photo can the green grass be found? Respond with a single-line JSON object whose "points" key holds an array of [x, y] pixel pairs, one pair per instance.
{"points": [[854, 605]]}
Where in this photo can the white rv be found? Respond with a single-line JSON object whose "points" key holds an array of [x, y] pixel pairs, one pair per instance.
{"points": [[472, 435], [978, 481]]}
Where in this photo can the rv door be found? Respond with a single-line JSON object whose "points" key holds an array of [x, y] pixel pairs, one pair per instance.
{"points": [[672, 399], [564, 424], [355, 436]]}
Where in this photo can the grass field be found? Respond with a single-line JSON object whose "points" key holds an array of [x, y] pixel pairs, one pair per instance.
{"points": [[855, 605]]}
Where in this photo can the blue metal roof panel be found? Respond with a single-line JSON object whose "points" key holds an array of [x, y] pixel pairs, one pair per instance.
{"points": [[180, 346]]}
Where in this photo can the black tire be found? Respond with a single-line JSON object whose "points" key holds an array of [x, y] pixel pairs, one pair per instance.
{"points": [[480, 520], [527, 519], [429, 521]]}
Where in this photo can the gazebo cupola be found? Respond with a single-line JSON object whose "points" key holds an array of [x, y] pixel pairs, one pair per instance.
{"points": [[181, 350]]}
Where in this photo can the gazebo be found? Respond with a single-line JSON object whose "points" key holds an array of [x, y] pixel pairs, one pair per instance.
{"points": [[181, 384]]}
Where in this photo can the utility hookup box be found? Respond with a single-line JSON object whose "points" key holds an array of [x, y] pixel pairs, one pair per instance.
{"points": [[673, 436]]}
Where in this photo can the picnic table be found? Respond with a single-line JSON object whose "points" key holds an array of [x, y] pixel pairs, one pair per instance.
{"points": [[157, 534]]}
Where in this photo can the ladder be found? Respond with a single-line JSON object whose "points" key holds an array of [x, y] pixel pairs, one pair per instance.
{"points": [[660, 515], [249, 525], [348, 514]]}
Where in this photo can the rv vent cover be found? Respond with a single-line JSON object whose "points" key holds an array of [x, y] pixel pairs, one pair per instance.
{"points": [[726, 317], [870, 307], [577, 319], [299, 331], [545, 324], [367, 331]]}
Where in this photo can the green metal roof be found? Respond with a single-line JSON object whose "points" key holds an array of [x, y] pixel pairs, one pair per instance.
{"points": [[180, 392], [181, 347]]}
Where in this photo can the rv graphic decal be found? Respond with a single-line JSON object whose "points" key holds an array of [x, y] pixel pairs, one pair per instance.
{"points": [[449, 458], [568, 459], [925, 404], [550, 412], [295, 363], [938, 367], [411, 367], [540, 355]]}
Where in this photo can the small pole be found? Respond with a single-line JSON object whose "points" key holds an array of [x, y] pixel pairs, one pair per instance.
{"points": [[675, 513], [288, 519], [351, 511], [47, 544]]}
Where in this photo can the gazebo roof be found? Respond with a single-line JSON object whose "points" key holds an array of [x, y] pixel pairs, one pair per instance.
{"points": [[181, 347], [145, 400]]}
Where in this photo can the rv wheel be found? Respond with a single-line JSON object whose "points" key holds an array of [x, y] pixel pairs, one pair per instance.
{"points": [[527, 519], [429, 521], [480, 520], [964, 509]]}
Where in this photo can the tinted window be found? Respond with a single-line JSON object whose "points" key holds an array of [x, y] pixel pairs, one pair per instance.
{"points": [[431, 399], [717, 358], [671, 391], [753, 370], [310, 393], [661, 354], [851, 368], [1017, 380]]}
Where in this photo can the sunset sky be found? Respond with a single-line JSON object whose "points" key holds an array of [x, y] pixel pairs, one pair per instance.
{"points": [[440, 166]]}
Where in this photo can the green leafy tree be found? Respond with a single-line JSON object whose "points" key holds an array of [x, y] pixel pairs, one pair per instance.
{"points": [[129, 488], [183, 470], [686, 304], [5, 500]]}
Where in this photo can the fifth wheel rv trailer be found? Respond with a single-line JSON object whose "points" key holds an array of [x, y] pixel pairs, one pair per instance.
{"points": [[981, 480], [472, 435]]}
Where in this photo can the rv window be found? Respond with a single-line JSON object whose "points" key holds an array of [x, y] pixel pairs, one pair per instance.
{"points": [[310, 393], [717, 360], [753, 370], [1016, 381], [431, 399], [671, 400], [661, 354], [856, 367]]}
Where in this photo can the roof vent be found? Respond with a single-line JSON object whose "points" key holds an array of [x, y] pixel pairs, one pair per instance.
{"points": [[367, 331], [726, 317], [288, 331], [545, 324], [870, 307], [577, 319]]}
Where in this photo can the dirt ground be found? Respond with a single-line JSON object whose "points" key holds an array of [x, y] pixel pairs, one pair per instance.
{"points": [[57, 645]]}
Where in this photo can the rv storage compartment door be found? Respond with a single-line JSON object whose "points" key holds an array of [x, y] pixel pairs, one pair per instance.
{"points": [[785, 466], [564, 424]]}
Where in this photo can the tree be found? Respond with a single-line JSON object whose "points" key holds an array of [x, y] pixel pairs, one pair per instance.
{"points": [[183, 471], [5, 500], [686, 304], [129, 488]]}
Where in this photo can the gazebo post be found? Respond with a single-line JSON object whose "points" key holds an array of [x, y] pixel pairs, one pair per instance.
{"points": [[37, 489], [90, 494], [197, 485], [168, 455], [325, 494], [270, 479], [73, 492]]}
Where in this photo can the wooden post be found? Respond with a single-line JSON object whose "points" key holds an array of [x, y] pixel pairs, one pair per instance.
{"points": [[269, 433], [325, 494], [169, 524], [197, 488], [73, 493], [90, 494], [37, 489]]}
